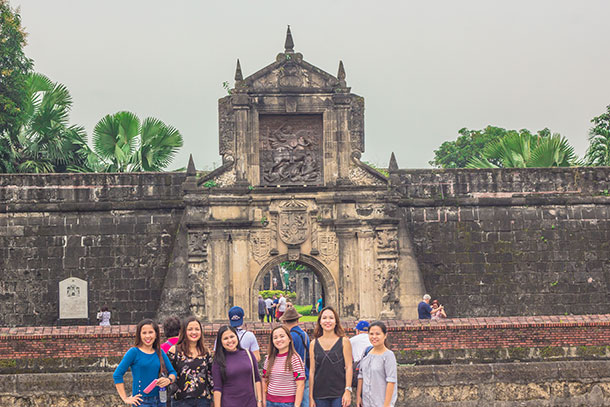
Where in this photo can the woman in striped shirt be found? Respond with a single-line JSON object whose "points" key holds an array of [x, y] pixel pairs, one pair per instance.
{"points": [[283, 372]]}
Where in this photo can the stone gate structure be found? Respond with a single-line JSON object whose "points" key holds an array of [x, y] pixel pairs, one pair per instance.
{"points": [[292, 188]]}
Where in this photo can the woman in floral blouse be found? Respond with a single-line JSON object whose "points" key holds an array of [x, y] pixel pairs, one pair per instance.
{"points": [[193, 363]]}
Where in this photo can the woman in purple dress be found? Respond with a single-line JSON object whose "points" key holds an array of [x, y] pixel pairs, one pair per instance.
{"points": [[237, 382]]}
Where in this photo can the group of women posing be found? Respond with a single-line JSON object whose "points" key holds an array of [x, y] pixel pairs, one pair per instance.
{"points": [[231, 377]]}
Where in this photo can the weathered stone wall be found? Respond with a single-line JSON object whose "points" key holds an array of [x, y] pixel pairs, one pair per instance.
{"points": [[116, 231], [510, 241], [539, 384]]}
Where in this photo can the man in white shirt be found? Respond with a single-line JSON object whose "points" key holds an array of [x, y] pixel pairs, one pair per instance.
{"points": [[281, 306], [269, 305], [360, 341]]}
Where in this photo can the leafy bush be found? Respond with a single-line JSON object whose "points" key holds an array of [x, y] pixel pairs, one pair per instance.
{"points": [[303, 309], [292, 296]]}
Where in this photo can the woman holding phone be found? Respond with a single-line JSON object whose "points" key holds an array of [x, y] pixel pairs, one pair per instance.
{"points": [[151, 370]]}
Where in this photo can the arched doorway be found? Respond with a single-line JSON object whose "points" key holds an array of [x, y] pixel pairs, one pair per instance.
{"points": [[323, 275]]}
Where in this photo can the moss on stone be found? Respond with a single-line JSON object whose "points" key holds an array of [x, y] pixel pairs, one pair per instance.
{"points": [[589, 351], [550, 352]]}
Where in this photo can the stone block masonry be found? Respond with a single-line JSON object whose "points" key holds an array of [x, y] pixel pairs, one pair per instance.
{"points": [[510, 241], [115, 231]]}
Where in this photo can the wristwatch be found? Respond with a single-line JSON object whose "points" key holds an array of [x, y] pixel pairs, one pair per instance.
{"points": [[348, 388]]}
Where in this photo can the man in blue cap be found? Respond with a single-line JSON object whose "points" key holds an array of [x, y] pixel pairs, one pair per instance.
{"points": [[360, 341], [247, 340]]}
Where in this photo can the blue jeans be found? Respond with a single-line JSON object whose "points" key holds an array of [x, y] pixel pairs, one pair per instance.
{"points": [[328, 402], [202, 402], [151, 402], [274, 404], [305, 402]]}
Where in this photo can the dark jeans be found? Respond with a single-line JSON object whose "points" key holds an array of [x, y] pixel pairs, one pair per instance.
{"points": [[328, 402], [202, 402], [151, 402], [269, 315], [261, 317]]}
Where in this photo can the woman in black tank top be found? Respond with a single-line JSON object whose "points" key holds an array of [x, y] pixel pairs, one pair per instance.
{"points": [[330, 376]]}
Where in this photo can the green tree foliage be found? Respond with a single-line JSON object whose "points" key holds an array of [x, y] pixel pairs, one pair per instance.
{"points": [[44, 141], [524, 149], [598, 153], [470, 144], [122, 143], [14, 66]]}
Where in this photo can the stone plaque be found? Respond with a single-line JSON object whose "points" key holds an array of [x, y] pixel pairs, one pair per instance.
{"points": [[73, 302], [293, 224], [260, 245], [291, 149]]}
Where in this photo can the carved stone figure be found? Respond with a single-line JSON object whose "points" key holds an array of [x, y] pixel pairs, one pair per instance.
{"points": [[387, 243], [290, 152], [197, 244]]}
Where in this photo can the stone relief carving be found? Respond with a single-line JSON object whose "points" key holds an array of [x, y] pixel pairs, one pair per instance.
{"points": [[387, 243], [360, 177], [197, 244], [328, 246], [290, 150], [293, 222], [370, 210], [387, 267], [226, 127], [227, 178], [292, 75], [260, 245], [356, 124]]}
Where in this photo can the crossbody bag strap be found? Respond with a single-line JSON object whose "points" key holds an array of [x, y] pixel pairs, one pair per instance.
{"points": [[253, 375]]}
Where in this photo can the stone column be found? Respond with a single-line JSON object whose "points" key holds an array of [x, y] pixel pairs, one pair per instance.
{"points": [[241, 108], [349, 297], [219, 286], [239, 259], [344, 149], [197, 272], [370, 293]]}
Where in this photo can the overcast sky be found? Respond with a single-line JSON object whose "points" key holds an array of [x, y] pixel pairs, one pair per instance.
{"points": [[425, 68]]}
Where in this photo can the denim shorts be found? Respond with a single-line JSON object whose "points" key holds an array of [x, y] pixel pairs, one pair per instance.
{"points": [[328, 402], [274, 404]]}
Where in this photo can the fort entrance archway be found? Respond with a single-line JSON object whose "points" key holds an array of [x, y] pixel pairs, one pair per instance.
{"points": [[292, 188]]}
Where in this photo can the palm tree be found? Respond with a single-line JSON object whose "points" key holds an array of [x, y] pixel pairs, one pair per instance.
{"points": [[598, 153], [121, 143], [44, 141], [523, 149]]}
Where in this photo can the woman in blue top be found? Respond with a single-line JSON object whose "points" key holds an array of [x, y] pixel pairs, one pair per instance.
{"points": [[144, 359]]}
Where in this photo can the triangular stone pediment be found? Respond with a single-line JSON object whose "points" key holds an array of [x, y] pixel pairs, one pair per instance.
{"points": [[290, 73]]}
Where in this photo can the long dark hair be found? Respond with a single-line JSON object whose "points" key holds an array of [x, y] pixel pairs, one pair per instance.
{"points": [[318, 331], [156, 346], [171, 327], [273, 352], [384, 329], [220, 355], [182, 346]]}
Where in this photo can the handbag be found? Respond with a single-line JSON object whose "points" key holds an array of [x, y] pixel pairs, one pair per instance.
{"points": [[253, 376]]}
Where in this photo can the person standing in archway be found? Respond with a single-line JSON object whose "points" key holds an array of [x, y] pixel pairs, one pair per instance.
{"points": [[281, 307], [301, 342], [330, 375]]}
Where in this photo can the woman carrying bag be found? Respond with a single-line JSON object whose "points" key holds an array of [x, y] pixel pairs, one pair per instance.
{"points": [[151, 370], [237, 382]]}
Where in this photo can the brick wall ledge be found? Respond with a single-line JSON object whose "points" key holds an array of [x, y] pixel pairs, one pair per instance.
{"points": [[77, 331]]}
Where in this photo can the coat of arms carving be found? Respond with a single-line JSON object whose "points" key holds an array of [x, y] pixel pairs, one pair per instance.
{"points": [[293, 222], [260, 244], [327, 245]]}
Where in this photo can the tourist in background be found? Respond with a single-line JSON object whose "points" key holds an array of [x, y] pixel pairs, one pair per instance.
{"points": [[262, 308], [424, 310], [377, 376], [237, 382], [283, 372], [440, 310], [320, 304], [171, 330], [275, 305], [148, 364], [104, 316], [247, 339], [330, 376], [193, 364], [360, 341], [269, 304], [281, 307], [300, 340]]}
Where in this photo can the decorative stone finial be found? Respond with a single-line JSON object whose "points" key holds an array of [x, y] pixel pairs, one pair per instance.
{"points": [[289, 44], [393, 164], [238, 74], [190, 169], [341, 74]]}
